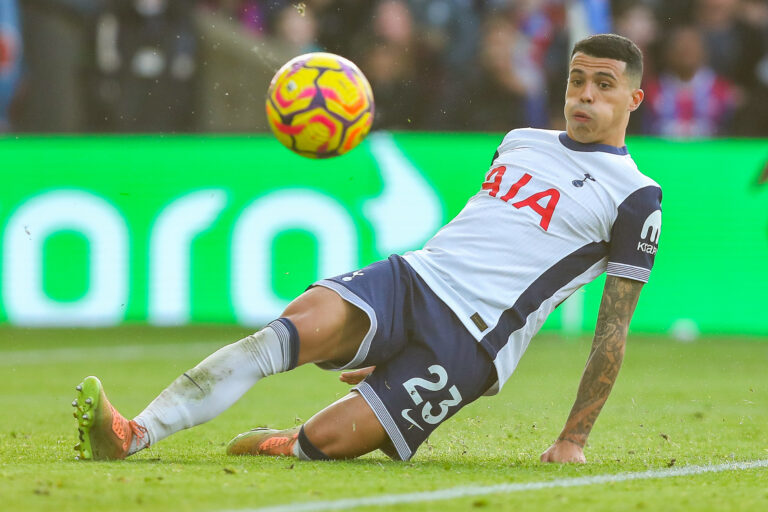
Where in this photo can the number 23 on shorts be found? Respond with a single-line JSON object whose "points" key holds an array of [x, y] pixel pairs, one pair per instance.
{"points": [[428, 412]]}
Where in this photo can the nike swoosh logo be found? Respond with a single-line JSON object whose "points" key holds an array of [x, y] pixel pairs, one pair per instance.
{"points": [[405, 413]]}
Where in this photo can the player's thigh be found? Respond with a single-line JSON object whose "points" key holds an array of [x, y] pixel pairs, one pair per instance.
{"points": [[380, 291], [329, 328]]}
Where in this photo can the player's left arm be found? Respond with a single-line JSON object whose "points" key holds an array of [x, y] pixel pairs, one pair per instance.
{"points": [[616, 308]]}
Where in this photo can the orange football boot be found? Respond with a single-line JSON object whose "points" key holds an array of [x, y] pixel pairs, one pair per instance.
{"points": [[265, 441], [104, 433]]}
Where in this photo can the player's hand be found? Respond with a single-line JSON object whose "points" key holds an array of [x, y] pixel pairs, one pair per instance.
{"points": [[356, 376], [564, 451]]}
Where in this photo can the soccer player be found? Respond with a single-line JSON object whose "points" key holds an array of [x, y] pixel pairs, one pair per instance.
{"points": [[435, 329]]}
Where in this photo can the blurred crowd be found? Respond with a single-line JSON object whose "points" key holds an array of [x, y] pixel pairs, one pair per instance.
{"points": [[484, 65]]}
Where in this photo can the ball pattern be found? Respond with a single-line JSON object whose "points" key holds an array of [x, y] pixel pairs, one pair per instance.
{"points": [[320, 105]]}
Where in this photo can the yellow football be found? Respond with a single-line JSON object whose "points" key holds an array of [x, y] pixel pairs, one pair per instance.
{"points": [[320, 105]]}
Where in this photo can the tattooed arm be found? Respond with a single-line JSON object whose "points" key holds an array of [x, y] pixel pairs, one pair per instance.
{"points": [[619, 300]]}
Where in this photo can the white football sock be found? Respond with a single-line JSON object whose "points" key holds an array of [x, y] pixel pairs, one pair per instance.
{"points": [[215, 384]]}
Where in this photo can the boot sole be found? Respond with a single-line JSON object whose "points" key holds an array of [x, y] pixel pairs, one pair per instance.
{"points": [[86, 402]]}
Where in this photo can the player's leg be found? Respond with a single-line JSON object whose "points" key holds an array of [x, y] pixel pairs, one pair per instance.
{"points": [[318, 326], [428, 366], [349, 427], [345, 429], [395, 409]]}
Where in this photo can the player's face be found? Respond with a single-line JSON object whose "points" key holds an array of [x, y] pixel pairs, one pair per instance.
{"points": [[598, 100]]}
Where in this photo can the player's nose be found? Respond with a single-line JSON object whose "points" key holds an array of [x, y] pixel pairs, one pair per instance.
{"points": [[587, 93]]}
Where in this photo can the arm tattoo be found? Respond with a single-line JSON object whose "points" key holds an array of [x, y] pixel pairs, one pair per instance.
{"points": [[618, 304]]}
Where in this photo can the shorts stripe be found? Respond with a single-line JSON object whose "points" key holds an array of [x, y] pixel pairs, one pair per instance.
{"points": [[352, 298], [381, 412]]}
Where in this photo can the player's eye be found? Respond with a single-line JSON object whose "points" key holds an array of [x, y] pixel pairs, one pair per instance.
{"points": [[605, 85], [576, 81]]}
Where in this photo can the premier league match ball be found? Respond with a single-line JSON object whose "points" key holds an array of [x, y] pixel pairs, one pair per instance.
{"points": [[320, 105]]}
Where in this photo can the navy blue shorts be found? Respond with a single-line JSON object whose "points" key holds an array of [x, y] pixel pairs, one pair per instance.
{"points": [[428, 366]]}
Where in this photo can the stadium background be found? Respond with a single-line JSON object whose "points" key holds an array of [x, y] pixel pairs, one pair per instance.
{"points": [[146, 219], [168, 228]]}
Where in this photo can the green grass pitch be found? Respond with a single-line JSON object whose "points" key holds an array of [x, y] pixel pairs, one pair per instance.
{"points": [[674, 405]]}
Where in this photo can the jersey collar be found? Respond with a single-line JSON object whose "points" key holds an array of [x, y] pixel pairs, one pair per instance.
{"points": [[571, 144]]}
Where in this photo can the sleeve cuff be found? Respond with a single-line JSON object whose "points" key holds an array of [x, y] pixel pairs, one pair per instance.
{"points": [[628, 271]]}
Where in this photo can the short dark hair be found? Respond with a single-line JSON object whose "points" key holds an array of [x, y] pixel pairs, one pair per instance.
{"points": [[613, 46]]}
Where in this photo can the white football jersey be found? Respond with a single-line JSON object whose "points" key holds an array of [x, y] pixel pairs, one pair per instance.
{"points": [[552, 215]]}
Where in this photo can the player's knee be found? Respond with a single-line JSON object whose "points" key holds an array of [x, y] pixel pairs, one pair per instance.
{"points": [[330, 328]]}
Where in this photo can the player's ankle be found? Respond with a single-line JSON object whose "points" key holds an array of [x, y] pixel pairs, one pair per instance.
{"points": [[141, 437]]}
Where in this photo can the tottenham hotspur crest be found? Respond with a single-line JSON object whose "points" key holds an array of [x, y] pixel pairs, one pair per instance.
{"points": [[580, 183]]}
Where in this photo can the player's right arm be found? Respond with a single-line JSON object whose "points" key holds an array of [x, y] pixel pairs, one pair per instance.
{"points": [[620, 297]]}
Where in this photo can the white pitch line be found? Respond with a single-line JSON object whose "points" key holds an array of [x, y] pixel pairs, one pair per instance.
{"points": [[463, 492], [108, 353]]}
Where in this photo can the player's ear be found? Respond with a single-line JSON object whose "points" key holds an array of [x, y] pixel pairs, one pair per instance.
{"points": [[637, 98]]}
